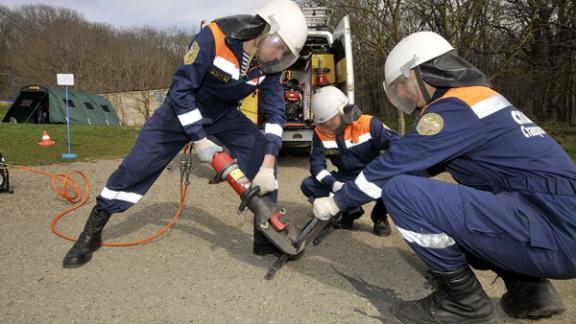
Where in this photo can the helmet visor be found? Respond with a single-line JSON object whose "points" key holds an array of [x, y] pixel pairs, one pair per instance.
{"points": [[273, 54], [403, 93]]}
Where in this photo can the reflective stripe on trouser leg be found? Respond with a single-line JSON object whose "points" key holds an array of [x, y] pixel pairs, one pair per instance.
{"points": [[412, 216], [503, 229], [159, 142]]}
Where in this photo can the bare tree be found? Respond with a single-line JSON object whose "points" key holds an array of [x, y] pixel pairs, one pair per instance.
{"points": [[5, 36], [526, 47], [47, 40]]}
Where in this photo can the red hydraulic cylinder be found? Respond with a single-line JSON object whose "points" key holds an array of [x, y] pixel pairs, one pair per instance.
{"points": [[228, 169]]}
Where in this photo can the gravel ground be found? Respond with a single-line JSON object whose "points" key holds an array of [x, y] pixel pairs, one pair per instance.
{"points": [[202, 270]]}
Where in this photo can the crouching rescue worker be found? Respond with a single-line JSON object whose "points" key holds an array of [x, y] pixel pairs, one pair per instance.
{"points": [[226, 61], [350, 140], [512, 210]]}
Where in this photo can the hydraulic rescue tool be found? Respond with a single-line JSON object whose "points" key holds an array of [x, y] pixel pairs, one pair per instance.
{"points": [[328, 228], [300, 240], [267, 218], [308, 229]]}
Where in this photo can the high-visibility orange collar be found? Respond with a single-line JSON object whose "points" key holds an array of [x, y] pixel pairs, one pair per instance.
{"points": [[352, 132]]}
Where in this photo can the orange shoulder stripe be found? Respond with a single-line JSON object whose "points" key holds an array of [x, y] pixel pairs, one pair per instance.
{"points": [[470, 95], [222, 49]]}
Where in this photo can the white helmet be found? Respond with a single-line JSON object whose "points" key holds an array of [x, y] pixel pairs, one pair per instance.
{"points": [[409, 53], [328, 102], [288, 32]]}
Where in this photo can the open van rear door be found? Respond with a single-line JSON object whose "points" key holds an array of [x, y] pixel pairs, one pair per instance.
{"points": [[342, 49]]}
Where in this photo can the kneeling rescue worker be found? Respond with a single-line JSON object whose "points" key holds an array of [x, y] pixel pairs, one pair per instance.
{"points": [[512, 210], [350, 140], [226, 61]]}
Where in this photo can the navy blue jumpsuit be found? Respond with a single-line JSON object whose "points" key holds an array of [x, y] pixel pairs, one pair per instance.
{"points": [[202, 102], [515, 202], [350, 151]]}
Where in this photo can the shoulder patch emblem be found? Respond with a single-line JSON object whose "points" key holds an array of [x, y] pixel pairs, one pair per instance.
{"points": [[190, 57], [430, 124]]}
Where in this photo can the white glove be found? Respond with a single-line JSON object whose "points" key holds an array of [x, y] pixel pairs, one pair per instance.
{"points": [[337, 185], [265, 180], [206, 149], [325, 208]]}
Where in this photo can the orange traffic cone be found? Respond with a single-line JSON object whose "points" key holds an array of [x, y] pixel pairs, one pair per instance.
{"points": [[46, 140]]}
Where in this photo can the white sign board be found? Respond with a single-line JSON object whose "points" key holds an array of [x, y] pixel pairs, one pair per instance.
{"points": [[65, 79]]}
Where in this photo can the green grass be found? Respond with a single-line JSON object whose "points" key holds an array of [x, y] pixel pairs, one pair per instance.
{"points": [[564, 134], [3, 109], [18, 142]]}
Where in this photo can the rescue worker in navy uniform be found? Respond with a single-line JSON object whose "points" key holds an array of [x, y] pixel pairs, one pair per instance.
{"points": [[512, 210], [226, 61], [350, 140]]}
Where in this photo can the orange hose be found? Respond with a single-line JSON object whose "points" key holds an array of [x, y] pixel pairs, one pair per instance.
{"points": [[62, 184]]}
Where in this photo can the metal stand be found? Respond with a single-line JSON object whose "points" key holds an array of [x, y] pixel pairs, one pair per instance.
{"points": [[68, 155]]}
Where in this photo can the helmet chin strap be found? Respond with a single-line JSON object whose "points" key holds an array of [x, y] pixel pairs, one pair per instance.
{"points": [[421, 85]]}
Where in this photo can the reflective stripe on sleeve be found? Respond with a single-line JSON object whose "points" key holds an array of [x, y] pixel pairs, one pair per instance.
{"points": [[190, 117], [367, 187], [273, 129], [322, 174]]}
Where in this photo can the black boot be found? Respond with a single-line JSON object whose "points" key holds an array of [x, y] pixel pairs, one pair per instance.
{"points": [[459, 299], [89, 240], [347, 219], [529, 297], [382, 228], [378, 216], [345, 223]]}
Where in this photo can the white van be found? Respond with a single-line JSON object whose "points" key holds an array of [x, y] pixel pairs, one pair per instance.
{"points": [[325, 59]]}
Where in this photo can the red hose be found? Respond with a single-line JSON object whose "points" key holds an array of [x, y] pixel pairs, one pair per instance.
{"points": [[66, 187]]}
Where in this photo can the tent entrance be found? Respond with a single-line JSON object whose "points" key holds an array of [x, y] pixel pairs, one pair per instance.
{"points": [[30, 107]]}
